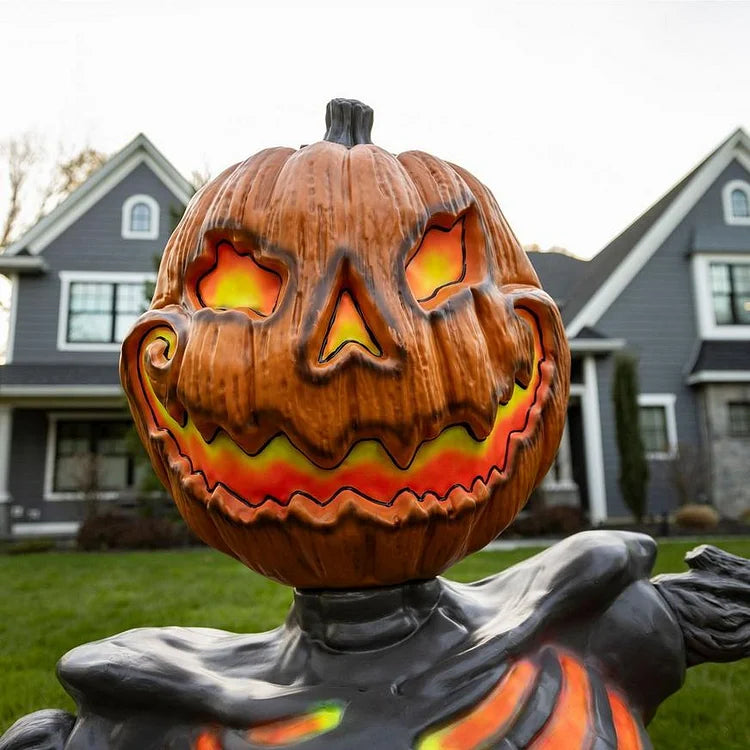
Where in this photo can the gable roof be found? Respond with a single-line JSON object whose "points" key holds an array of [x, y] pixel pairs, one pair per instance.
{"points": [[557, 272], [610, 272], [139, 151]]}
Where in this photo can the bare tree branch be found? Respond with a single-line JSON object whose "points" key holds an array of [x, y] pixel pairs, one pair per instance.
{"points": [[199, 177], [19, 154], [69, 172]]}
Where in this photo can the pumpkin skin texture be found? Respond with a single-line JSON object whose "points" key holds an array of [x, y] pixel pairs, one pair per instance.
{"points": [[349, 375]]}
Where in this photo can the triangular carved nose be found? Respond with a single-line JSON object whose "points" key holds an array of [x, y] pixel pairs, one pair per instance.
{"points": [[347, 327]]}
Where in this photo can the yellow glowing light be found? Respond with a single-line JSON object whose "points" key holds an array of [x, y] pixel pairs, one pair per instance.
{"points": [[237, 281], [439, 261], [347, 326]]}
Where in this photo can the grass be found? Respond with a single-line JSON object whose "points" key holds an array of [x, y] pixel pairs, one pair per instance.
{"points": [[54, 601]]}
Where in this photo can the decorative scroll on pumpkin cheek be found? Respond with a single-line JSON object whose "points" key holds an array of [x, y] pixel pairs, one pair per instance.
{"points": [[279, 470]]}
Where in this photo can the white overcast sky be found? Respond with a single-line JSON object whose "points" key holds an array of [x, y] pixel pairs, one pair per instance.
{"points": [[577, 115]]}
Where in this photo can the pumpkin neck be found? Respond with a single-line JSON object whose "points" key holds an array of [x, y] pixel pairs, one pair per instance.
{"points": [[348, 122], [363, 619]]}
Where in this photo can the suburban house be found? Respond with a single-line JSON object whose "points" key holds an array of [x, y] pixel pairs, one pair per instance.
{"points": [[79, 279], [673, 289]]}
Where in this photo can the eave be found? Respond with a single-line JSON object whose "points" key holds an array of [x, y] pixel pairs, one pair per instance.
{"points": [[22, 264]]}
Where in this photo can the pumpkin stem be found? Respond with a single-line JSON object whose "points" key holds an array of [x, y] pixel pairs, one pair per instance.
{"points": [[348, 122]]}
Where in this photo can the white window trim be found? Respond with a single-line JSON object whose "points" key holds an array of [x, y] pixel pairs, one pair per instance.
{"points": [[12, 317], [49, 461], [708, 328], [667, 400], [726, 199], [38, 529], [66, 277], [153, 231]]}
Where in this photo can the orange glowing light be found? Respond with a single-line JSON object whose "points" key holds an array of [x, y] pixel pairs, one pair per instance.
{"points": [[280, 470], [297, 729], [347, 326], [439, 261], [488, 721], [628, 736], [208, 740], [569, 725], [237, 281]]}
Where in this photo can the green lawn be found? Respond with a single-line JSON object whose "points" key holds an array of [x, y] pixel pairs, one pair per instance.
{"points": [[52, 602]]}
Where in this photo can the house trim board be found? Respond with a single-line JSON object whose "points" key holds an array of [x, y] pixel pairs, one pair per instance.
{"points": [[726, 199], [52, 528], [643, 250], [10, 343], [153, 231], [596, 345], [6, 416], [110, 277], [719, 376], [54, 417], [592, 439], [82, 390], [708, 328], [667, 400]]}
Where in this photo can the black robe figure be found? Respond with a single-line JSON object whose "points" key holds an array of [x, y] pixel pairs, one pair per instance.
{"points": [[574, 648], [349, 379]]}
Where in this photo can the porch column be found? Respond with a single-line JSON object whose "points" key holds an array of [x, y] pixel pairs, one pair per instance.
{"points": [[592, 439], [563, 461], [6, 414]]}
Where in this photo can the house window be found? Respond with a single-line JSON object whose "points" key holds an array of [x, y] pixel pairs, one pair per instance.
{"points": [[740, 204], [739, 418], [98, 309], [736, 199], [103, 312], [730, 290], [658, 425], [140, 218], [91, 456]]}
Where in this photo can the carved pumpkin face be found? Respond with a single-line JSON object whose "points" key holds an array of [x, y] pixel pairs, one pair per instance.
{"points": [[348, 375]]}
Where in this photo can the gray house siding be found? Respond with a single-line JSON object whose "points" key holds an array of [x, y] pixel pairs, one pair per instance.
{"points": [[27, 455], [92, 243], [29, 467], [657, 317]]}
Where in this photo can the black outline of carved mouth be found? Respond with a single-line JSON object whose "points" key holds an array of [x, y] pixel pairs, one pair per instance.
{"points": [[164, 434]]}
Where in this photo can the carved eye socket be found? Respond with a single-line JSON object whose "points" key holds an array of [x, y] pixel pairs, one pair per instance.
{"points": [[439, 261], [237, 280]]}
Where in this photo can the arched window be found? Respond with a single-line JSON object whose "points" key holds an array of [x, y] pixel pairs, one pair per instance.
{"points": [[140, 218], [740, 203], [736, 199]]}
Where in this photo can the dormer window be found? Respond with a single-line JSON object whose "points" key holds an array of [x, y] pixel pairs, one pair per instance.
{"points": [[736, 199], [140, 218], [740, 204]]}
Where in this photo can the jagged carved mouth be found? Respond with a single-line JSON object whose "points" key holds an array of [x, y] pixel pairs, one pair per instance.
{"points": [[279, 472]]}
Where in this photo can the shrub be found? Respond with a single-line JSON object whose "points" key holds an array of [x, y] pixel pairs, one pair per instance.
{"points": [[633, 477], [697, 517], [29, 546], [119, 531]]}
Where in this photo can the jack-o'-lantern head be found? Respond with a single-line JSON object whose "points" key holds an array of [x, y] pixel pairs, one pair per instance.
{"points": [[349, 375]]}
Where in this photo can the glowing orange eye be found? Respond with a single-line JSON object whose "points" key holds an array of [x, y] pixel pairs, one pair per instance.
{"points": [[238, 281], [440, 260]]}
